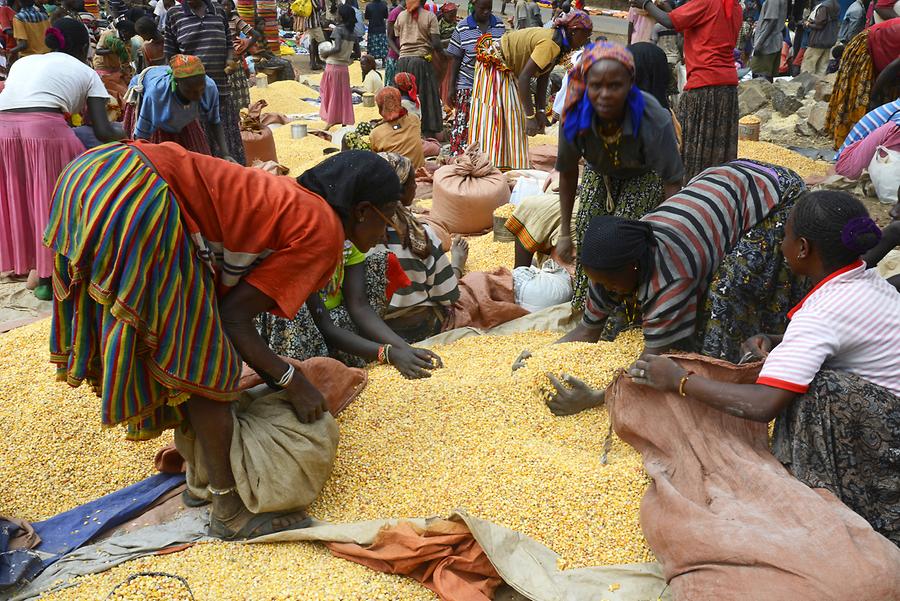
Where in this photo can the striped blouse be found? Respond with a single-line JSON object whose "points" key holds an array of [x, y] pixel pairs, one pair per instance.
{"points": [[462, 46], [870, 122], [433, 280], [849, 322], [694, 230], [208, 37]]}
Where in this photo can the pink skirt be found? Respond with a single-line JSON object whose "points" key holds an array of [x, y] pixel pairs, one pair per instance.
{"points": [[334, 91], [35, 147]]}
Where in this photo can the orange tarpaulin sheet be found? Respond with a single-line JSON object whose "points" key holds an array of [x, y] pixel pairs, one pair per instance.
{"points": [[444, 557]]}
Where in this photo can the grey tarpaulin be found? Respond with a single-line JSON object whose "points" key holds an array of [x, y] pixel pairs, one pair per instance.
{"points": [[557, 318], [524, 564]]}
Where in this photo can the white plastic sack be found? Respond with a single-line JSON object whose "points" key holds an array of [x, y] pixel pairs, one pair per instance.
{"points": [[530, 182], [884, 169], [537, 289]]}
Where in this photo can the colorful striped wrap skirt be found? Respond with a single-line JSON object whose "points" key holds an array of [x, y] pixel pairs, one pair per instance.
{"points": [[496, 115], [136, 313]]}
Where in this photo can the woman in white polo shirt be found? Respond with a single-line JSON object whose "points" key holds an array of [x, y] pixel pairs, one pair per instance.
{"points": [[832, 382]]}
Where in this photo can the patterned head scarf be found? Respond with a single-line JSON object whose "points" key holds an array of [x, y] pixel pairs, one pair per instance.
{"points": [[389, 103], [412, 233], [348, 178], [184, 65], [578, 113], [412, 7], [400, 164], [574, 19], [406, 83], [449, 8]]}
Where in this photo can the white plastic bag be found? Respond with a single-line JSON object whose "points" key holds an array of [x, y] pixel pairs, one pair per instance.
{"points": [[884, 169], [537, 289], [530, 182]]}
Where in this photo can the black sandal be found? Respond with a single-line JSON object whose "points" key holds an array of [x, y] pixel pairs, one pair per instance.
{"points": [[190, 500], [260, 524]]}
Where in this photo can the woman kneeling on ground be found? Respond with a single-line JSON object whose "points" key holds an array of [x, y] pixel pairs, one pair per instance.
{"points": [[704, 269], [344, 319], [421, 309], [166, 256], [627, 139], [165, 104], [832, 381]]}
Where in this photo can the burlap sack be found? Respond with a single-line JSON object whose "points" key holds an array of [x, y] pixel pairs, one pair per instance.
{"points": [[466, 193], [279, 464], [726, 520], [259, 144]]}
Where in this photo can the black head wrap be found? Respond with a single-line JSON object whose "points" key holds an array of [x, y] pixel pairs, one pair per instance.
{"points": [[351, 177], [611, 243], [651, 71]]}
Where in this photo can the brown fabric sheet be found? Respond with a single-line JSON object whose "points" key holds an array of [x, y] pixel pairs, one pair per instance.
{"points": [[339, 384], [543, 157], [486, 299], [444, 557], [726, 520]]}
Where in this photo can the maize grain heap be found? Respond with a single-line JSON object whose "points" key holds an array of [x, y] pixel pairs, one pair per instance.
{"points": [[505, 211], [228, 571], [54, 453], [285, 97], [475, 436], [487, 255], [301, 154], [777, 155], [355, 75], [544, 140]]}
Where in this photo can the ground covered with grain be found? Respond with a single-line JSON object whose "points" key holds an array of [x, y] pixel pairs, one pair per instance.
{"points": [[54, 454], [474, 436]]}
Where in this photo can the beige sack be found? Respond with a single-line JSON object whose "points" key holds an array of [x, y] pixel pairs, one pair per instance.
{"points": [[279, 464], [466, 193]]}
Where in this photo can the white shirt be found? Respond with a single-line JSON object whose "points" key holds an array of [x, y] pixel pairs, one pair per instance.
{"points": [[373, 82], [54, 81], [560, 101], [849, 322]]}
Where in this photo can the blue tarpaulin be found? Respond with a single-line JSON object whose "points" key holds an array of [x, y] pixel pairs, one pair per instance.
{"points": [[68, 531]]}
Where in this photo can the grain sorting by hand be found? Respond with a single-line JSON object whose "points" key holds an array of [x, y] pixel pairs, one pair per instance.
{"points": [[474, 436]]}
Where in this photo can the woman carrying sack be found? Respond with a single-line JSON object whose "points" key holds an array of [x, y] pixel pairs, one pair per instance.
{"points": [[166, 104], [337, 99]]}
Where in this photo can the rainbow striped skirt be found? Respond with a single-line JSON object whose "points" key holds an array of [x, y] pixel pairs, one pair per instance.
{"points": [[496, 115], [135, 311]]}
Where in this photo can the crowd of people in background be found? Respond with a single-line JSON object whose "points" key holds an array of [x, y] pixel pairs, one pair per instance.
{"points": [[666, 228]]}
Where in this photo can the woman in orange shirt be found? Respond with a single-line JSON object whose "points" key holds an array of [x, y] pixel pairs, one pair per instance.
{"points": [[163, 259]]}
